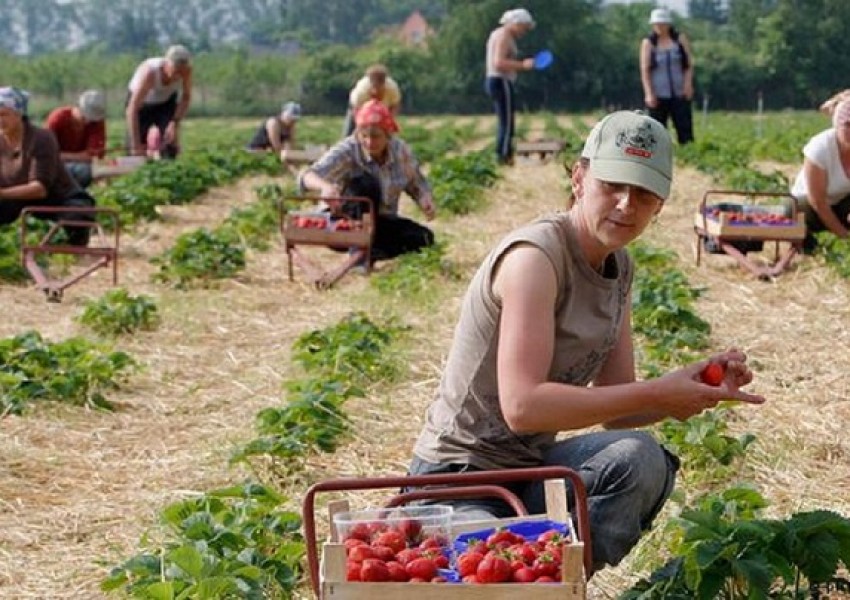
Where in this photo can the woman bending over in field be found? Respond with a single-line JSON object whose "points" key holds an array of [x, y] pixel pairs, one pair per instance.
{"points": [[822, 187]]}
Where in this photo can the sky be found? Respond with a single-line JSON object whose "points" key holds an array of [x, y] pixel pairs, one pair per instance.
{"points": [[679, 6]]}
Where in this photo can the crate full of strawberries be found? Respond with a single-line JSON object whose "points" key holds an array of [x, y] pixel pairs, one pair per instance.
{"points": [[383, 553]]}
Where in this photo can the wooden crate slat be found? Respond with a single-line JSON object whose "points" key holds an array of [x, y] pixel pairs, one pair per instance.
{"points": [[723, 228]]}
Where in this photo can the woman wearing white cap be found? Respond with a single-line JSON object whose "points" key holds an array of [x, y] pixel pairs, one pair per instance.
{"points": [[278, 133], [503, 64], [153, 111], [667, 75], [81, 133], [544, 346]]}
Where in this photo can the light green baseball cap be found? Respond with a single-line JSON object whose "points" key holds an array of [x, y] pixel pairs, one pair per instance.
{"points": [[632, 148]]}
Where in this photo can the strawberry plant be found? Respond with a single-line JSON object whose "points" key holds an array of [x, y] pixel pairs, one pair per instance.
{"points": [[835, 252], [702, 443], [312, 421], [74, 370], [355, 347], [118, 312], [11, 269], [727, 553], [458, 182], [431, 144], [338, 359], [201, 256], [256, 223], [663, 312], [413, 274], [180, 181], [234, 542]]}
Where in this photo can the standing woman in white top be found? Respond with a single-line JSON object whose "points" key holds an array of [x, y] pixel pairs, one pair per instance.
{"points": [[153, 111], [502, 68], [822, 186]]}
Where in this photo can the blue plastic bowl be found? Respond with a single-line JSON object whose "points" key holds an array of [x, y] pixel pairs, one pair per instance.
{"points": [[543, 59], [528, 529]]}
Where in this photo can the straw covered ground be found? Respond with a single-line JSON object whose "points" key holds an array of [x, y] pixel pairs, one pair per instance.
{"points": [[78, 487]]}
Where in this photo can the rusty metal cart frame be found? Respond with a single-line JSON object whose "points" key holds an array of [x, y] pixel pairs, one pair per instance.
{"points": [[104, 254], [359, 239], [471, 484], [726, 236]]}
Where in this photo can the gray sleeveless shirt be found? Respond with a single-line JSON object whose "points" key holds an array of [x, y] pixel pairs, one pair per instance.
{"points": [[464, 424], [668, 76]]}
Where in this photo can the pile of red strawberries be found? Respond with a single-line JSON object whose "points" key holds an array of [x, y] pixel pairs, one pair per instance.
{"points": [[378, 552], [507, 557]]}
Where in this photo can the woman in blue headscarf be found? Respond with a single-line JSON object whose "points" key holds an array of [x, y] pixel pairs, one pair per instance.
{"points": [[31, 169]]}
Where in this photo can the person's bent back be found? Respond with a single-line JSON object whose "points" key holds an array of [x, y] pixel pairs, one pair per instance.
{"points": [[81, 133]]}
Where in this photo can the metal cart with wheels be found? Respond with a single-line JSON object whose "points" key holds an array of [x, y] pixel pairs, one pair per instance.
{"points": [[101, 251]]}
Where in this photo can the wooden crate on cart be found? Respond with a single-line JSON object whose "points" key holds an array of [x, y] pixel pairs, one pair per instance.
{"points": [[331, 577], [736, 222], [315, 226]]}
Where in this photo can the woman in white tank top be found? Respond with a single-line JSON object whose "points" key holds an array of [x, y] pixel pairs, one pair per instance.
{"points": [[153, 111]]}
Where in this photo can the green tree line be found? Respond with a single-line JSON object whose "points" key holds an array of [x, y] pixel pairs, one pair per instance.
{"points": [[786, 52]]}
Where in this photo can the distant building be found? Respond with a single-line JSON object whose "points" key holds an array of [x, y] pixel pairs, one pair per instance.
{"points": [[415, 31]]}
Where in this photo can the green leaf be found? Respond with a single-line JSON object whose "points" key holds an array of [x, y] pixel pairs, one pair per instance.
{"points": [[189, 560], [758, 575], [212, 588], [163, 590]]}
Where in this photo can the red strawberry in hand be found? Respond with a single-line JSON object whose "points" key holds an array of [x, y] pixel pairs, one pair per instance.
{"points": [[712, 374]]}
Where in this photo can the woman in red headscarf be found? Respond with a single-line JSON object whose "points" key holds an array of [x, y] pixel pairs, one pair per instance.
{"points": [[375, 163]]}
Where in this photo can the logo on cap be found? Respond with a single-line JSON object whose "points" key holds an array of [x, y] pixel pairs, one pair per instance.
{"points": [[637, 141]]}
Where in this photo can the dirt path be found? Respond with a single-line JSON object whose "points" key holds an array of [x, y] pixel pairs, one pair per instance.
{"points": [[79, 487]]}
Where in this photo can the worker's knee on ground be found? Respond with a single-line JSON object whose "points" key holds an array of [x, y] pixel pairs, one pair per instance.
{"points": [[634, 463]]}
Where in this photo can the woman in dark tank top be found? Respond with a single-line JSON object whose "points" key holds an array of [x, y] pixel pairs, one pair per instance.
{"points": [[666, 74], [277, 133]]}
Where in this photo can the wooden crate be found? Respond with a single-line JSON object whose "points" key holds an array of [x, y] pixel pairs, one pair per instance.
{"points": [[542, 148], [572, 587], [722, 227], [304, 156], [325, 237]]}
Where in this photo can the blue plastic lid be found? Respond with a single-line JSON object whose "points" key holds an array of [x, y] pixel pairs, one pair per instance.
{"points": [[529, 530], [543, 59]]}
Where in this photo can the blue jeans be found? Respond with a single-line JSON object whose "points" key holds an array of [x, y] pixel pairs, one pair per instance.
{"points": [[81, 172], [627, 474], [501, 90]]}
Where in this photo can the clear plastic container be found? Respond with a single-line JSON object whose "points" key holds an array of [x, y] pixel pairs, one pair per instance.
{"points": [[418, 525]]}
